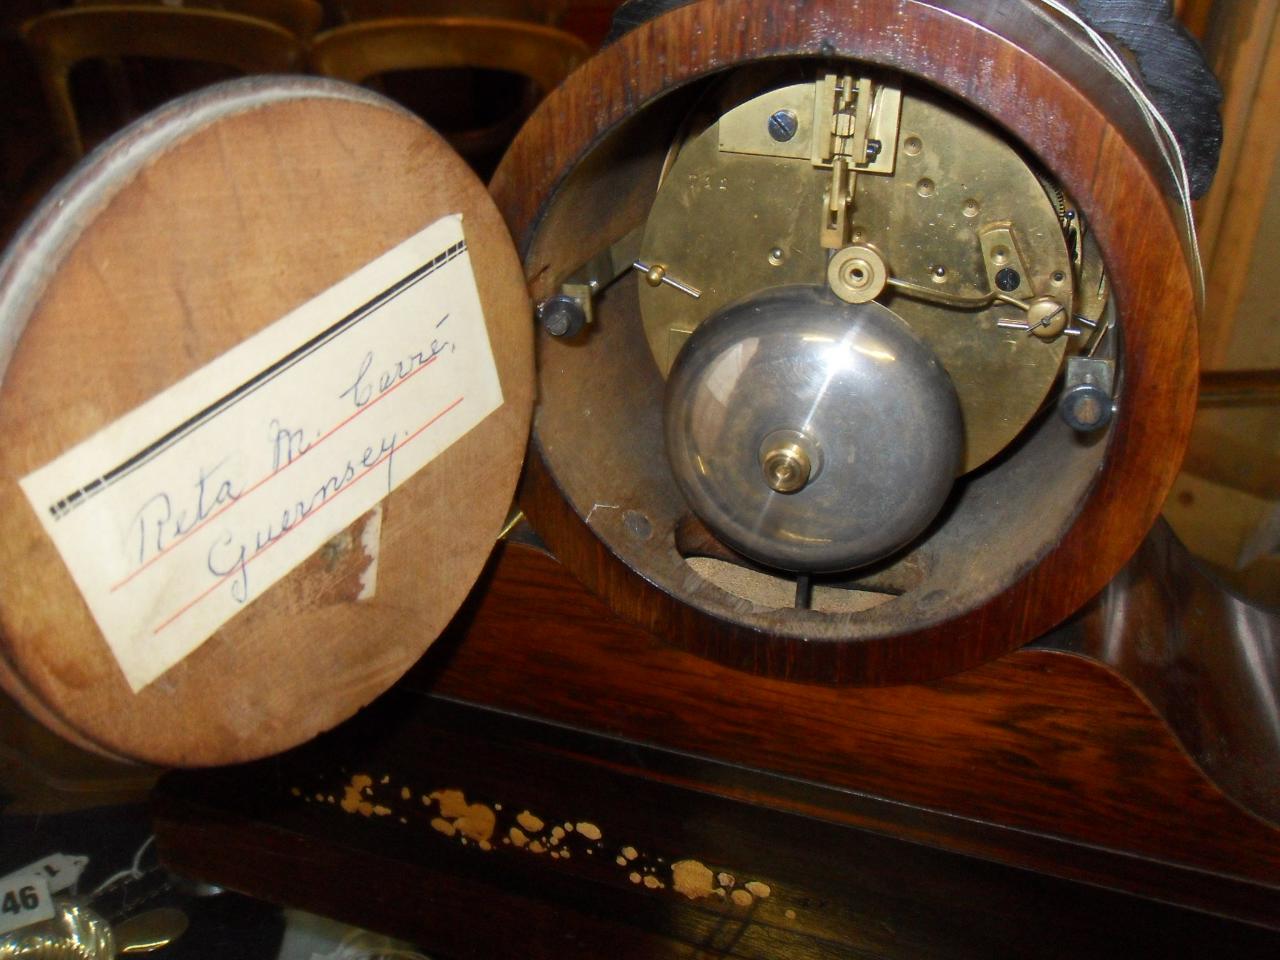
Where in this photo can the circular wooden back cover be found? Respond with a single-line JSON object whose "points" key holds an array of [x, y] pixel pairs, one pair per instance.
{"points": [[189, 232]]}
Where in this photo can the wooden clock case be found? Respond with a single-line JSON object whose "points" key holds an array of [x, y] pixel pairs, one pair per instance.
{"points": [[1109, 789], [567, 775]]}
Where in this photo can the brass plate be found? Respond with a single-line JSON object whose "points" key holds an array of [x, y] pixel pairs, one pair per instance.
{"points": [[746, 130], [721, 219]]}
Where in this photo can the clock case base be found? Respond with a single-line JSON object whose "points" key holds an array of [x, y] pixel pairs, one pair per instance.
{"points": [[1107, 791]]}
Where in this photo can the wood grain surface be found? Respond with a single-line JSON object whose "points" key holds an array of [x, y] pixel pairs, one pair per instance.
{"points": [[1207, 661], [1035, 83], [251, 198], [1040, 740], [476, 834]]}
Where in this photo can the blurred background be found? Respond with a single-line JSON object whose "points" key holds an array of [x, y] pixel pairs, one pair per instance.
{"points": [[74, 71]]}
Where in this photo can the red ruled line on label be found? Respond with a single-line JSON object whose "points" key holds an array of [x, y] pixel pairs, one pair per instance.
{"points": [[270, 476], [235, 572]]}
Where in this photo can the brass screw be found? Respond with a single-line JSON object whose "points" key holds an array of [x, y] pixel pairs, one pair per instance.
{"points": [[786, 468]]}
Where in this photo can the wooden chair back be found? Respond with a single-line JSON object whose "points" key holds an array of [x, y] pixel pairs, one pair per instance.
{"points": [[61, 39], [533, 11], [358, 51], [300, 17]]}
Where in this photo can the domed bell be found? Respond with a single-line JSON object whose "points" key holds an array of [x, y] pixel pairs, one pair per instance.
{"points": [[811, 434]]}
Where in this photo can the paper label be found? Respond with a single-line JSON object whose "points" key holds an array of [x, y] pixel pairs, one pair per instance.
{"points": [[60, 871], [24, 899], [183, 511]]}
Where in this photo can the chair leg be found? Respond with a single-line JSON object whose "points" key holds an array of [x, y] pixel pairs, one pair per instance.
{"points": [[58, 93]]}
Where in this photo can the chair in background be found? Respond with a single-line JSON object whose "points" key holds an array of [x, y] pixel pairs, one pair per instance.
{"points": [[549, 12], [61, 39], [359, 51], [544, 56], [300, 17]]}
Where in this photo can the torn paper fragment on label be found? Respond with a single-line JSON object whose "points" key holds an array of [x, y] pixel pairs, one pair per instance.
{"points": [[175, 517]]}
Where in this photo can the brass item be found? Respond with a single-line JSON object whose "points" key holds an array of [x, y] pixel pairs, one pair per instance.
{"points": [[741, 221], [656, 275], [932, 294], [1000, 252], [843, 129], [852, 121], [747, 130], [786, 462], [857, 273], [1047, 318], [514, 519], [150, 930], [75, 932]]}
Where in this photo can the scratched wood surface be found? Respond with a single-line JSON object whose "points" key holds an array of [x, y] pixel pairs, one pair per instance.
{"points": [[222, 230], [476, 834], [1084, 133]]}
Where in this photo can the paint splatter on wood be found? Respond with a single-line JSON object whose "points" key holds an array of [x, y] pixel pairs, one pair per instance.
{"points": [[353, 795], [530, 822], [476, 823], [692, 878], [473, 820]]}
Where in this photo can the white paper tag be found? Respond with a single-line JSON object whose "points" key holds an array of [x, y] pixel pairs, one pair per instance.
{"points": [[24, 899], [60, 871], [180, 513]]}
